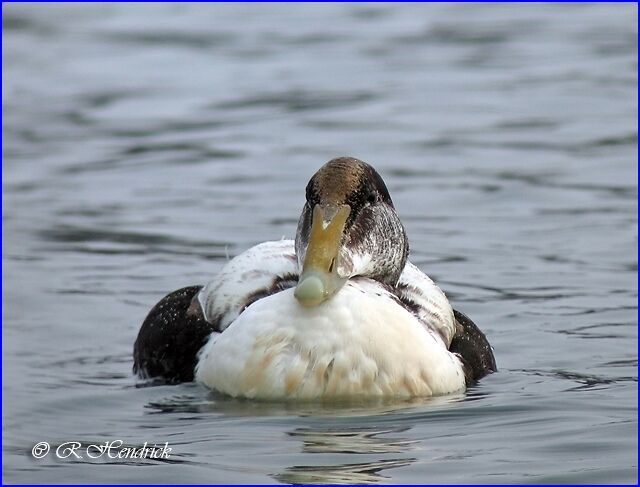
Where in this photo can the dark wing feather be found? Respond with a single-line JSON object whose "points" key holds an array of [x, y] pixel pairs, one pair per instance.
{"points": [[473, 347], [171, 336]]}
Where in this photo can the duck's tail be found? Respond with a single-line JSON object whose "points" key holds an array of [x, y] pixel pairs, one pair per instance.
{"points": [[171, 336], [473, 348]]}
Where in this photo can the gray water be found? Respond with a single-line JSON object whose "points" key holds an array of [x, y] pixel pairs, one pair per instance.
{"points": [[144, 145]]}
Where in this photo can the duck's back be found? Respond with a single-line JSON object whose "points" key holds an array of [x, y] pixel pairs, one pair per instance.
{"points": [[262, 270]]}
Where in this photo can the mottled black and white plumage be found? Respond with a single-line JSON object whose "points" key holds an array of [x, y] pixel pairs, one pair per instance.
{"points": [[338, 312]]}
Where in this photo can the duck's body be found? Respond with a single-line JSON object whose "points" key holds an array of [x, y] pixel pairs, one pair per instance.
{"points": [[292, 319], [369, 339]]}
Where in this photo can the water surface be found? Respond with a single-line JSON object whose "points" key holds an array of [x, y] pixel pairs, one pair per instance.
{"points": [[144, 145]]}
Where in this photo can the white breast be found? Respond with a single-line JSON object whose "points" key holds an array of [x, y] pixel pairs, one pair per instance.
{"points": [[360, 342]]}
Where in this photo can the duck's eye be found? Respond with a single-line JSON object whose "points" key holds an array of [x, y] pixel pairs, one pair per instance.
{"points": [[312, 199], [372, 198]]}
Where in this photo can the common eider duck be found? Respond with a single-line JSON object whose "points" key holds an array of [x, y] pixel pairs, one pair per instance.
{"points": [[339, 312]]}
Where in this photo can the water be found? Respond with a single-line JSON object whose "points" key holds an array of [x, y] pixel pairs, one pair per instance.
{"points": [[144, 144]]}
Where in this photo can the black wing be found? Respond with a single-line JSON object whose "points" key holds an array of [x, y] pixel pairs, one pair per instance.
{"points": [[171, 336], [473, 347]]}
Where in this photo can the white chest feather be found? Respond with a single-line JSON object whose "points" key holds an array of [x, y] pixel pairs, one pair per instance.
{"points": [[360, 342]]}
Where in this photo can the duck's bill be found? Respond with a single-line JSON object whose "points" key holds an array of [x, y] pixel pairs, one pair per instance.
{"points": [[319, 279]]}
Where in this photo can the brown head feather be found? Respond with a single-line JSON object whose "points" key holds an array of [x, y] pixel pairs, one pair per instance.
{"points": [[337, 179]]}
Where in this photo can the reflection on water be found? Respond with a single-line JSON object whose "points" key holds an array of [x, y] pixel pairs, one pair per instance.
{"points": [[379, 428], [342, 407], [348, 440], [352, 440], [355, 473]]}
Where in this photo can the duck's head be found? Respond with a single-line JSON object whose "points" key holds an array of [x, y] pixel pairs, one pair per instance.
{"points": [[348, 227]]}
